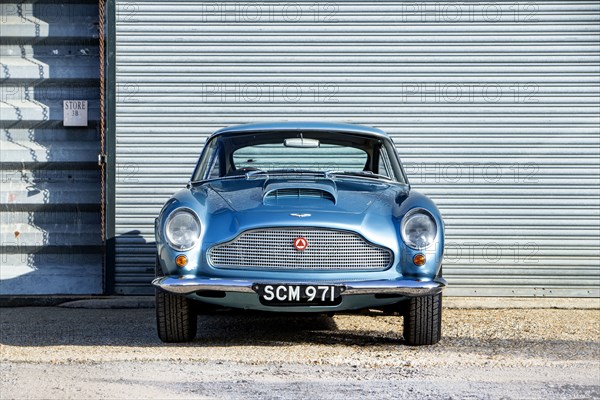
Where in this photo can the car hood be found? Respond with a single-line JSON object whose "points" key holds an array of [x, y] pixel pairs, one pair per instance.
{"points": [[228, 207], [302, 196]]}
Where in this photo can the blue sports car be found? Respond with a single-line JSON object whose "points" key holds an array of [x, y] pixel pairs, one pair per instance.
{"points": [[299, 218]]}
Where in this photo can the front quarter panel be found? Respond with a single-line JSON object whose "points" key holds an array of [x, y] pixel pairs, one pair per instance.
{"points": [[201, 206], [435, 252]]}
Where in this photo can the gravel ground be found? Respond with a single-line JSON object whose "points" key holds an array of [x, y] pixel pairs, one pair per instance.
{"points": [[485, 354]]}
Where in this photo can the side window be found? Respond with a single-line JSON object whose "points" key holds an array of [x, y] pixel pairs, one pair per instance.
{"points": [[214, 168], [383, 167]]}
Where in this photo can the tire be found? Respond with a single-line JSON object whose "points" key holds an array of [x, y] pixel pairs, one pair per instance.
{"points": [[423, 320], [176, 320]]}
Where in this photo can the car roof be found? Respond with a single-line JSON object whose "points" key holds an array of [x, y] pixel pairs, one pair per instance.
{"points": [[305, 126]]}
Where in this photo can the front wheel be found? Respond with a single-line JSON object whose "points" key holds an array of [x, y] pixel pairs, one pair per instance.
{"points": [[423, 320], [175, 318]]}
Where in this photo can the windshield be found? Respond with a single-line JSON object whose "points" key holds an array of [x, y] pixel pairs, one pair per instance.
{"points": [[281, 153]]}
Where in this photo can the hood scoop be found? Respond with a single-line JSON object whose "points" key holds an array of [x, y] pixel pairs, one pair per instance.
{"points": [[299, 191]]}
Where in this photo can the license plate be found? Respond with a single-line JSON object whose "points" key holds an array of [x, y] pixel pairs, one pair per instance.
{"points": [[291, 295]]}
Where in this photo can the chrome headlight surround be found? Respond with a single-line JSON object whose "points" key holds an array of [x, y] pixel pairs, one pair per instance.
{"points": [[418, 229], [182, 229]]}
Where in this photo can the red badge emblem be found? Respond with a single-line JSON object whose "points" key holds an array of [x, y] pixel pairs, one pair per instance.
{"points": [[300, 243]]}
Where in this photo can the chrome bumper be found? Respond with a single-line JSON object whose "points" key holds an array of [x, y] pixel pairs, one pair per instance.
{"points": [[395, 287]]}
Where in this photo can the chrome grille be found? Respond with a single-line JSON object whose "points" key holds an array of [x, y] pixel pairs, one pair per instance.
{"points": [[273, 248]]}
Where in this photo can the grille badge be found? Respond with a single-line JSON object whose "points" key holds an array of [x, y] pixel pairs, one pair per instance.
{"points": [[300, 243]]}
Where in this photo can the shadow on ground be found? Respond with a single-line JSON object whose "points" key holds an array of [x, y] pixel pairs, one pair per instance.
{"points": [[53, 326]]}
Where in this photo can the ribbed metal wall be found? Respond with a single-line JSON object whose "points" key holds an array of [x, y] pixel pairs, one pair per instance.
{"points": [[50, 240], [493, 107]]}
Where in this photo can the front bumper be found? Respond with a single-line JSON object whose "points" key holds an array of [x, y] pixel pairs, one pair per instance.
{"points": [[409, 288]]}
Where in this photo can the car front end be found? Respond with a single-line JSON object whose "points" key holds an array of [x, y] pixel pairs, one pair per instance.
{"points": [[311, 237]]}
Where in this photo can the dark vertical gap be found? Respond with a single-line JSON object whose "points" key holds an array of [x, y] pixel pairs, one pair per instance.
{"points": [[110, 143]]}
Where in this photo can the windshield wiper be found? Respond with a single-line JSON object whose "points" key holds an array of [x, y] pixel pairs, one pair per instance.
{"points": [[365, 174], [250, 174], [192, 183]]}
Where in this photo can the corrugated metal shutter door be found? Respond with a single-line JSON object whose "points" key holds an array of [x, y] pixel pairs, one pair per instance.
{"points": [[50, 239], [493, 107]]}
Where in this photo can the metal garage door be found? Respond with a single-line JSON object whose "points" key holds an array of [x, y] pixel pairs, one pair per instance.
{"points": [[493, 107], [50, 238]]}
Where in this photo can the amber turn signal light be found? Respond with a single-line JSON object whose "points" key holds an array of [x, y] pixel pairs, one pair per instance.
{"points": [[181, 261], [419, 259]]}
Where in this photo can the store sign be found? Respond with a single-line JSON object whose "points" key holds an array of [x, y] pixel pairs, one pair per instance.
{"points": [[75, 112]]}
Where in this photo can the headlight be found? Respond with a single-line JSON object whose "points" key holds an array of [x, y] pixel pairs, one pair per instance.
{"points": [[418, 229], [182, 230]]}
